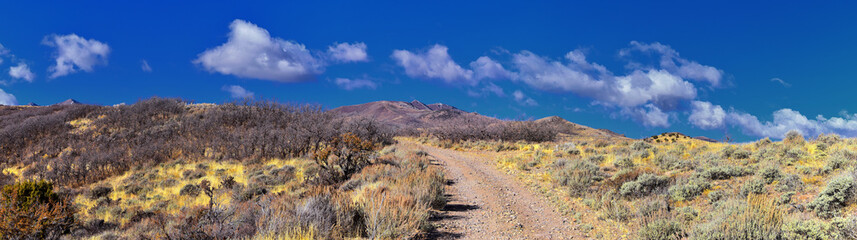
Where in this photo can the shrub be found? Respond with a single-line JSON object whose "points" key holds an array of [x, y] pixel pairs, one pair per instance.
{"points": [[793, 137], [833, 197], [640, 145], [578, 176], [687, 214], [32, 210], [667, 161], [99, 192], [192, 190], [644, 185], [769, 174], [809, 229], [755, 218], [715, 196], [624, 162], [754, 186], [659, 225], [789, 183], [615, 209], [836, 161], [723, 172], [688, 189]]}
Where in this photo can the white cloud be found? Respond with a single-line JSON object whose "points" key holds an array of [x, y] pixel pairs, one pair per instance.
{"points": [[489, 88], [649, 115], [144, 65], [523, 99], [348, 52], [486, 68], [75, 53], [781, 81], [672, 62], [22, 71], [351, 84], [7, 98], [706, 115], [786, 120], [433, 64], [594, 81], [238, 92], [3, 52], [251, 52]]}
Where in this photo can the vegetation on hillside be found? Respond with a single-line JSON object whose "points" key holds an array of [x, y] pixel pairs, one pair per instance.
{"points": [[685, 188], [167, 169]]}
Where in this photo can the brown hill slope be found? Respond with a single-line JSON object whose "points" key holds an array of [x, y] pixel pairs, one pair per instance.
{"points": [[577, 130], [412, 114], [419, 115]]}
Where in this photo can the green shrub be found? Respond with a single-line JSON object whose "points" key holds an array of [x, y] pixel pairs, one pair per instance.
{"points": [[786, 198], [661, 229], [624, 162], [31, 210], [723, 172], [667, 161], [597, 159], [715, 196], [755, 218], [754, 186], [809, 229], [689, 189], [615, 209], [578, 176], [834, 162], [789, 183], [644, 185], [687, 214], [640, 145], [833, 197], [769, 173]]}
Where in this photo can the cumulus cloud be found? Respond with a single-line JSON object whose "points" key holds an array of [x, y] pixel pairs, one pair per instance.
{"points": [[706, 115], [523, 99], [7, 98], [75, 53], [486, 68], [238, 92], [672, 62], [781, 82], [649, 115], [144, 65], [22, 71], [348, 52], [592, 80], [433, 64], [351, 84], [785, 120], [251, 52]]}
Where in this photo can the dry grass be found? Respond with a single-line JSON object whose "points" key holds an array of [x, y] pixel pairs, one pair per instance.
{"points": [[723, 168]]}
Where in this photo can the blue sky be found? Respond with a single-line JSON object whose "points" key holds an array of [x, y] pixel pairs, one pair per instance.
{"points": [[740, 69]]}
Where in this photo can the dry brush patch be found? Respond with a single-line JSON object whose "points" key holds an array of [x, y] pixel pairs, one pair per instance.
{"points": [[686, 188], [167, 169]]}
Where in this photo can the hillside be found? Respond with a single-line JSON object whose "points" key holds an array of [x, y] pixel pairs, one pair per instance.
{"points": [[416, 114], [413, 114], [167, 169]]}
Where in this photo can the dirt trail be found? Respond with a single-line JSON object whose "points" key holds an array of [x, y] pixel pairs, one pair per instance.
{"points": [[485, 203]]}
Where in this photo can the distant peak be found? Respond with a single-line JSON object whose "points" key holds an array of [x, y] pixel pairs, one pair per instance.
{"points": [[439, 106], [69, 102], [419, 105], [32, 104]]}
